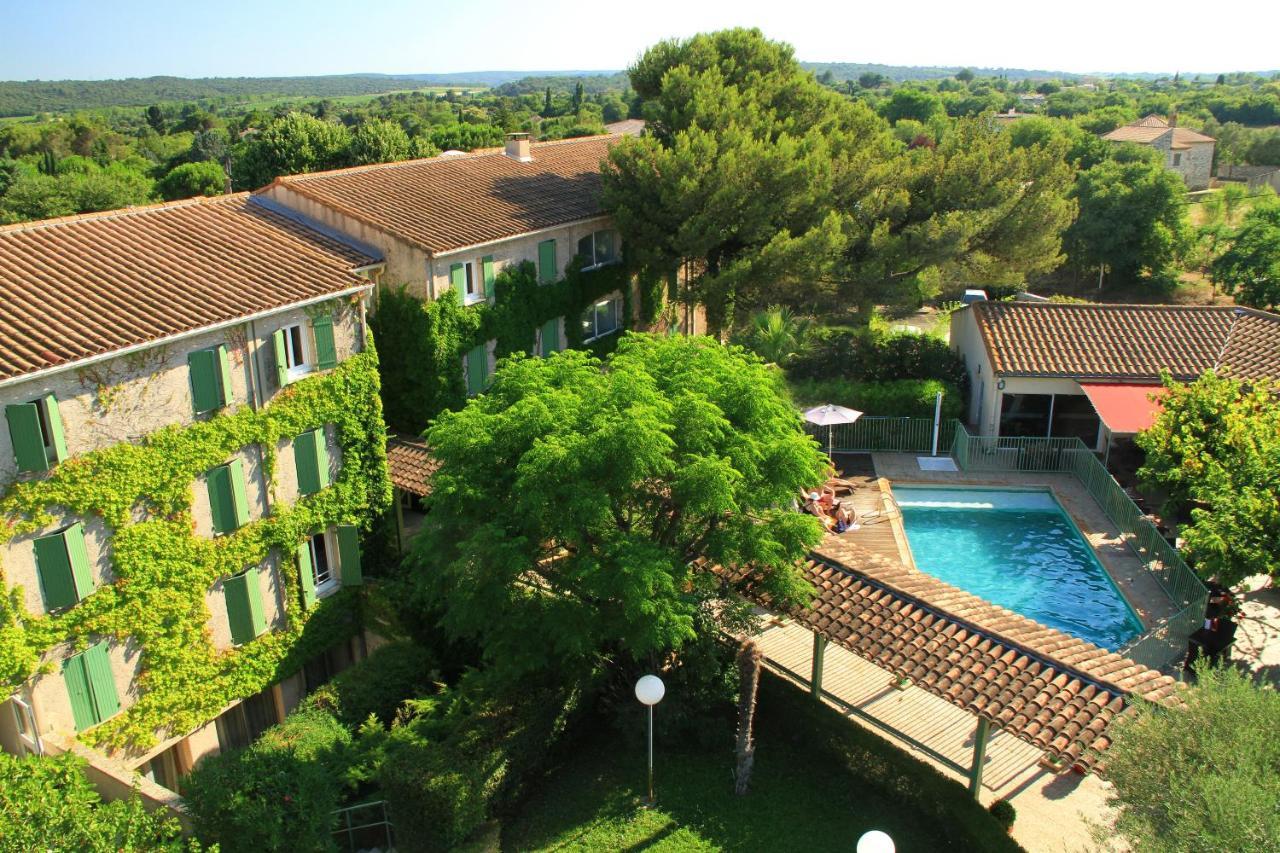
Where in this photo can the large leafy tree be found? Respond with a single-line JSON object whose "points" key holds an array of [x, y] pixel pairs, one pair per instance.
{"points": [[379, 141], [1132, 216], [1215, 448], [574, 497], [1250, 268], [743, 144], [1202, 776], [289, 145]]}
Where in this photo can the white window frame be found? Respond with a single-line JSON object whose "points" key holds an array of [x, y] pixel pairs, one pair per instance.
{"points": [[296, 340], [24, 720], [330, 582], [596, 334], [592, 263]]}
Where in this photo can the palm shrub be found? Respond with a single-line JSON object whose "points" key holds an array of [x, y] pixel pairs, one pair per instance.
{"points": [[777, 334]]}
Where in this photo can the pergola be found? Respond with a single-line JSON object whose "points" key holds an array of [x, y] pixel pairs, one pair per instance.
{"points": [[1054, 691]]}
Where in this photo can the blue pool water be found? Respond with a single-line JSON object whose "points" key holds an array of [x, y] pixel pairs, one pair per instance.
{"points": [[1020, 550]]}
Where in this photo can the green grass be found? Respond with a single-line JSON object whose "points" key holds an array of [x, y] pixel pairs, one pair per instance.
{"points": [[819, 783]]}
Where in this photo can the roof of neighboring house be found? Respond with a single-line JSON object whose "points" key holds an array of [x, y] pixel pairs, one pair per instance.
{"points": [[1055, 691], [449, 202], [628, 126], [411, 464], [1127, 342], [88, 285], [1149, 128]]}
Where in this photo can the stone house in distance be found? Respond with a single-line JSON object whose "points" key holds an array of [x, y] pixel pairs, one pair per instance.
{"points": [[1186, 152], [122, 325]]}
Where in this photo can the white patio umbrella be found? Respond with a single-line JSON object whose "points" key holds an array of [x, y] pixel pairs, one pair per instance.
{"points": [[828, 416]]}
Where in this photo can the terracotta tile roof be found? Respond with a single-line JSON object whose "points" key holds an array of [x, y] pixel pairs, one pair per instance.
{"points": [[1052, 690], [89, 285], [411, 464], [1152, 127], [1127, 342], [453, 201]]}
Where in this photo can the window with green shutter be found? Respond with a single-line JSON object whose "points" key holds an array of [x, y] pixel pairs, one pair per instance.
{"points": [[279, 346], [349, 555], [245, 615], [90, 686], [228, 500], [477, 370], [547, 271], [311, 458], [488, 274], [35, 432], [550, 337], [210, 374], [62, 563], [306, 574], [326, 349]]}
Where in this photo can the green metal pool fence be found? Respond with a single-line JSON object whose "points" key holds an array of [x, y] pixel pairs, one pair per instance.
{"points": [[873, 433], [1161, 644]]}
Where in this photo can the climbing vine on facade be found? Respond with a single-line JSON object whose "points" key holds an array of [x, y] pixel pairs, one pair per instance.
{"points": [[162, 571]]}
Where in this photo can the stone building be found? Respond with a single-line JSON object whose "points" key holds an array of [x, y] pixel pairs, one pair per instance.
{"points": [[135, 329], [1186, 152]]}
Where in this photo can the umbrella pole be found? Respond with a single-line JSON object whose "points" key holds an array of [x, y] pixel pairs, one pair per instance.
{"points": [[831, 431]]}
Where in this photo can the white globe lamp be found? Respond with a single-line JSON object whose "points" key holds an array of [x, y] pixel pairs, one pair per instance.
{"points": [[650, 690], [875, 841]]}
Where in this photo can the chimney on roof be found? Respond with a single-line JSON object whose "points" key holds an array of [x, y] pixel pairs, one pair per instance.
{"points": [[519, 147], [1173, 119]]}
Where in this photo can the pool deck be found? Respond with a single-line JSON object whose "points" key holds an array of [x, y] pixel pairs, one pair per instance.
{"points": [[1139, 588]]}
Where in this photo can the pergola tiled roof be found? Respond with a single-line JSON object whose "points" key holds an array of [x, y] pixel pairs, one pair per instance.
{"points": [[1128, 342], [411, 465], [89, 285], [1052, 690], [456, 200]]}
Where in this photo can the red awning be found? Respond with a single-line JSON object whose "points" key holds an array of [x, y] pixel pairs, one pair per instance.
{"points": [[1125, 408]]}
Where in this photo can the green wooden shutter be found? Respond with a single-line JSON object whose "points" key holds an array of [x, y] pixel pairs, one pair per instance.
{"points": [[458, 280], [238, 493], [550, 337], [245, 614], [326, 351], [221, 504], [25, 435], [54, 418], [224, 375], [486, 267], [202, 367], [547, 271], [79, 556], [102, 683], [306, 579], [282, 364], [349, 555], [311, 458], [477, 370], [53, 565], [77, 681]]}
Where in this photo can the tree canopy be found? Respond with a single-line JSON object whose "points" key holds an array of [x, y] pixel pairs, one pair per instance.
{"points": [[1204, 776], [1250, 267], [574, 495], [1215, 448]]}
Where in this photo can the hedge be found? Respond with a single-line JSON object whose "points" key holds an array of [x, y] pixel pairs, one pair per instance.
{"points": [[870, 355], [791, 714], [902, 398], [378, 685]]}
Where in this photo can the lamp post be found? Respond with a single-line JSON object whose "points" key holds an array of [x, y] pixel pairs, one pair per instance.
{"points": [[650, 690], [875, 841]]}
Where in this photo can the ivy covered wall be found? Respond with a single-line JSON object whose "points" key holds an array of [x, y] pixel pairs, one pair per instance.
{"points": [[422, 343], [163, 571]]}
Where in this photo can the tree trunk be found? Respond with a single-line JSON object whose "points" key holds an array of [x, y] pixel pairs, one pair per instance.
{"points": [[749, 680]]}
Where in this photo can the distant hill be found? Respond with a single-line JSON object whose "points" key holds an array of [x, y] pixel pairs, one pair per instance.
{"points": [[852, 70], [19, 98]]}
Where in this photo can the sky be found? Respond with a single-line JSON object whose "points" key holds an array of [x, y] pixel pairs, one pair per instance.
{"points": [[61, 39]]}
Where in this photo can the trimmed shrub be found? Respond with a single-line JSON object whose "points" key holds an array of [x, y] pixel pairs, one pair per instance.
{"points": [[1004, 813], [278, 794], [378, 685], [902, 398], [870, 355]]}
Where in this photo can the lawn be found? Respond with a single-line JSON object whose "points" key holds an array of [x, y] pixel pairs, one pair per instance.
{"points": [[803, 797]]}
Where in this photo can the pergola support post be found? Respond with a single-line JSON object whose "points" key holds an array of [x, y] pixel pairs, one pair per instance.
{"points": [[979, 755], [815, 677]]}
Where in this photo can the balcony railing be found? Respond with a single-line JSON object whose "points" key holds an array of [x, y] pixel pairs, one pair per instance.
{"points": [[873, 433]]}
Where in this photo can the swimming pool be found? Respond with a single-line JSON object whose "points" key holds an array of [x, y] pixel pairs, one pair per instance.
{"points": [[1018, 549]]}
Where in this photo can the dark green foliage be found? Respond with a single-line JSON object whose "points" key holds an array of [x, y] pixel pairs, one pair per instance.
{"points": [[466, 137], [47, 803], [1250, 268], [897, 398], [378, 684], [908, 103], [1004, 813], [874, 356], [192, 179], [279, 794]]}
